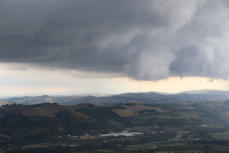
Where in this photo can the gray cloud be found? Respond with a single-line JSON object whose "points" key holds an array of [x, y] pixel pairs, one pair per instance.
{"points": [[146, 40]]}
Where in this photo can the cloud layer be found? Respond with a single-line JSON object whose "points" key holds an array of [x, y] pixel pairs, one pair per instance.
{"points": [[145, 40]]}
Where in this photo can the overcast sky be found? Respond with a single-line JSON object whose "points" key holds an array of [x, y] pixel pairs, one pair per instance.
{"points": [[112, 46]]}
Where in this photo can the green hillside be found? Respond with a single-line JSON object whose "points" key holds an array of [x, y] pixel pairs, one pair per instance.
{"points": [[79, 127]]}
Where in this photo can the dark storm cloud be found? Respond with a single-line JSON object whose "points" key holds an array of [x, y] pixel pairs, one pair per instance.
{"points": [[188, 61], [147, 39]]}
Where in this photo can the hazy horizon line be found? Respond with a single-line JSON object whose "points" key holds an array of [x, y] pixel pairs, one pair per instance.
{"points": [[104, 94]]}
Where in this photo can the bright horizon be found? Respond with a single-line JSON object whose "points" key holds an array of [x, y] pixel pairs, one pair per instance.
{"points": [[37, 81]]}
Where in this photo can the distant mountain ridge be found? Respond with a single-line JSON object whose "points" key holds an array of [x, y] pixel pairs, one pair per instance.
{"points": [[147, 97]]}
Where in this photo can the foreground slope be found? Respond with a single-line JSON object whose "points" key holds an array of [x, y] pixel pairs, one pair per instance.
{"points": [[161, 125]]}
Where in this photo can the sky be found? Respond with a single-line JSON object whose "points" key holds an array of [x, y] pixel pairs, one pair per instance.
{"points": [[69, 47]]}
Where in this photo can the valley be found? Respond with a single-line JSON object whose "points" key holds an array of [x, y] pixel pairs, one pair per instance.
{"points": [[128, 127]]}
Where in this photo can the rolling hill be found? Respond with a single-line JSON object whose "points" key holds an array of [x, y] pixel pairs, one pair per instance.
{"points": [[78, 127], [150, 97]]}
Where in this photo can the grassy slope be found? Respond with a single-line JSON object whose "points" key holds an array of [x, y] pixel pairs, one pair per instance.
{"points": [[45, 122]]}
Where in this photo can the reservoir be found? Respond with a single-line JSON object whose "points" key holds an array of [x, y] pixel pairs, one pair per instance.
{"points": [[123, 133]]}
